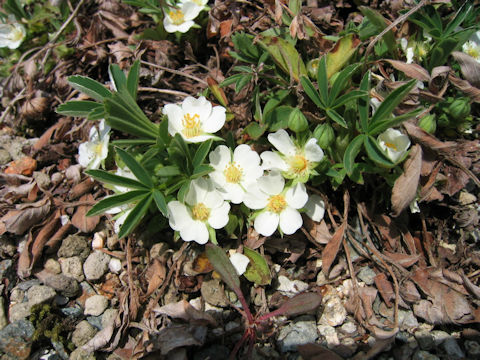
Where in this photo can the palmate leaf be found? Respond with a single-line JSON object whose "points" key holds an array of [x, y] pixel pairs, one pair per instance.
{"points": [[78, 108], [88, 86], [140, 173], [116, 200], [351, 95], [135, 216], [335, 116], [112, 179]]}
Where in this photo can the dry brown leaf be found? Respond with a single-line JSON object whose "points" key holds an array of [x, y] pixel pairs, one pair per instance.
{"points": [[331, 249], [254, 240], [471, 287], [319, 231], [405, 187], [183, 310], [413, 71], [100, 339], [155, 275], [437, 79], [409, 291], [404, 260], [201, 264], [24, 217], [80, 219], [469, 67], [177, 336], [388, 230], [81, 188], [463, 85], [23, 166], [385, 288], [428, 140]]}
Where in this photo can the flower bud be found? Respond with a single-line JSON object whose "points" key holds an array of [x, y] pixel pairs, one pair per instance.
{"points": [[297, 121], [459, 109], [428, 123], [312, 68], [324, 135]]}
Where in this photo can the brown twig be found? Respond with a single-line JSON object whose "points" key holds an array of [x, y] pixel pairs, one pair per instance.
{"points": [[164, 91], [176, 72]]}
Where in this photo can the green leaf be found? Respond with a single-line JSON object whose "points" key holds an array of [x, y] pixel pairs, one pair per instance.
{"points": [[364, 103], [341, 54], [349, 96], [255, 130], [117, 77], [182, 192], [132, 79], [335, 116], [109, 178], [257, 270], [97, 114], [340, 82], [137, 169], [167, 171], [390, 103], [163, 138], [375, 152], [441, 52], [222, 265], [90, 87], [461, 14], [179, 143], [135, 216], [231, 80], [116, 200], [242, 82], [383, 125], [278, 118], [380, 23], [160, 201], [129, 127], [78, 108], [312, 92], [132, 142], [201, 170], [322, 80], [351, 153], [202, 152]]}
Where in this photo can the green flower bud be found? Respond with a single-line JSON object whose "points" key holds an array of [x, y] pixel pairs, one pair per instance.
{"points": [[312, 68], [324, 135], [297, 121], [459, 109], [428, 123]]}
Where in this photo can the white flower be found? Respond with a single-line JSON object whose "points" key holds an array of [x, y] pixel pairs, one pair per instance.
{"points": [[233, 174], [315, 208], [280, 205], [239, 262], [414, 208], [123, 212], [95, 151], [294, 162], [195, 119], [12, 35], [204, 206], [201, 3], [408, 50], [181, 19], [394, 143], [472, 46]]}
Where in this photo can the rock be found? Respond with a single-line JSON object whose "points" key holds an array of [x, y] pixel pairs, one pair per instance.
{"points": [[83, 333], [403, 352], [19, 311], [334, 312], [424, 339], [96, 265], [39, 294], [7, 271], [95, 321], [61, 300], [74, 245], [113, 242], [25, 285], [80, 354], [407, 319], [7, 247], [72, 267], [297, 333], [115, 265], [65, 285], [60, 349], [330, 335], [452, 349], [424, 355], [108, 317], [466, 198], [95, 305], [347, 348], [75, 312], [348, 328], [158, 249], [52, 266], [3, 314], [439, 336], [367, 275], [16, 339], [473, 349], [42, 179], [290, 288], [87, 291], [212, 293], [17, 296], [5, 157]]}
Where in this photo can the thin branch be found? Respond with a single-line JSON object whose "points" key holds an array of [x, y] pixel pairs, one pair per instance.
{"points": [[176, 72], [164, 91]]}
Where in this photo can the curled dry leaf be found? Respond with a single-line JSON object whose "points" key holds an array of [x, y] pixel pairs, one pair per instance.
{"points": [[437, 79], [405, 187], [463, 85], [80, 219], [385, 288], [100, 339], [413, 71], [183, 310], [469, 67], [21, 219]]}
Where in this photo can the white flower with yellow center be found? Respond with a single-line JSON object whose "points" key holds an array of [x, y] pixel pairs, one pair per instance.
{"points": [[12, 35], [279, 205], [204, 206], [196, 120], [234, 173], [394, 143], [181, 19], [472, 46], [293, 161], [93, 152]]}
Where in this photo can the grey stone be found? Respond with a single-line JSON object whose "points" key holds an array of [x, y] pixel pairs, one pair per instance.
{"points": [[42, 179], [19, 311], [108, 317], [3, 314], [473, 348], [334, 312], [95, 305], [96, 265], [16, 339], [329, 335], [407, 319], [95, 321], [348, 328], [5, 157], [75, 312], [83, 333], [17, 296], [424, 355], [25, 285], [72, 267], [7, 271], [74, 245], [439, 336], [212, 293], [424, 339], [61, 300], [403, 352], [60, 349], [367, 275], [65, 285], [52, 266], [452, 349], [297, 333], [80, 354], [347, 348], [39, 294]]}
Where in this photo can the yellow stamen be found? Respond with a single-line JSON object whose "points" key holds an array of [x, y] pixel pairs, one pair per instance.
{"points": [[200, 212], [474, 52], [16, 35], [233, 173], [277, 203], [176, 16], [191, 125], [98, 149], [298, 164], [391, 146]]}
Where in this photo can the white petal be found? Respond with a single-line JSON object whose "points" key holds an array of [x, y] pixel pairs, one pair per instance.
{"points": [[220, 157], [271, 184], [197, 192], [196, 231], [191, 10], [175, 116], [233, 193], [297, 196], [315, 208], [197, 139], [254, 198], [178, 215], [215, 121], [290, 221], [313, 152], [213, 199], [201, 107], [271, 160], [266, 223], [85, 154], [282, 141], [239, 262], [104, 129], [219, 216]]}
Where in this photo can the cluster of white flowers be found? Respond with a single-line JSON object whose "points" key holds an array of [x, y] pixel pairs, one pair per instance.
{"points": [[12, 34], [242, 176], [179, 17]]}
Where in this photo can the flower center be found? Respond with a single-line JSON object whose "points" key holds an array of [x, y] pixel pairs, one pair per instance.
{"points": [[474, 52], [200, 212], [191, 125], [198, 2], [276, 204], [391, 146], [298, 163], [176, 16], [16, 35], [98, 149], [233, 173]]}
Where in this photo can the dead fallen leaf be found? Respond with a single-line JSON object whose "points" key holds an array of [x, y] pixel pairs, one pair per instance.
{"points": [[463, 85], [331, 249], [183, 310], [23, 166], [155, 275], [21, 219], [437, 79], [81, 188], [404, 260], [100, 339], [413, 71], [405, 187], [80, 219], [201, 264], [385, 288], [319, 231], [469, 67], [177, 336]]}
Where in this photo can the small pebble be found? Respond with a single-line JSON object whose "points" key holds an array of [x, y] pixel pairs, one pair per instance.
{"points": [[83, 333], [115, 265], [95, 305], [53, 266]]}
